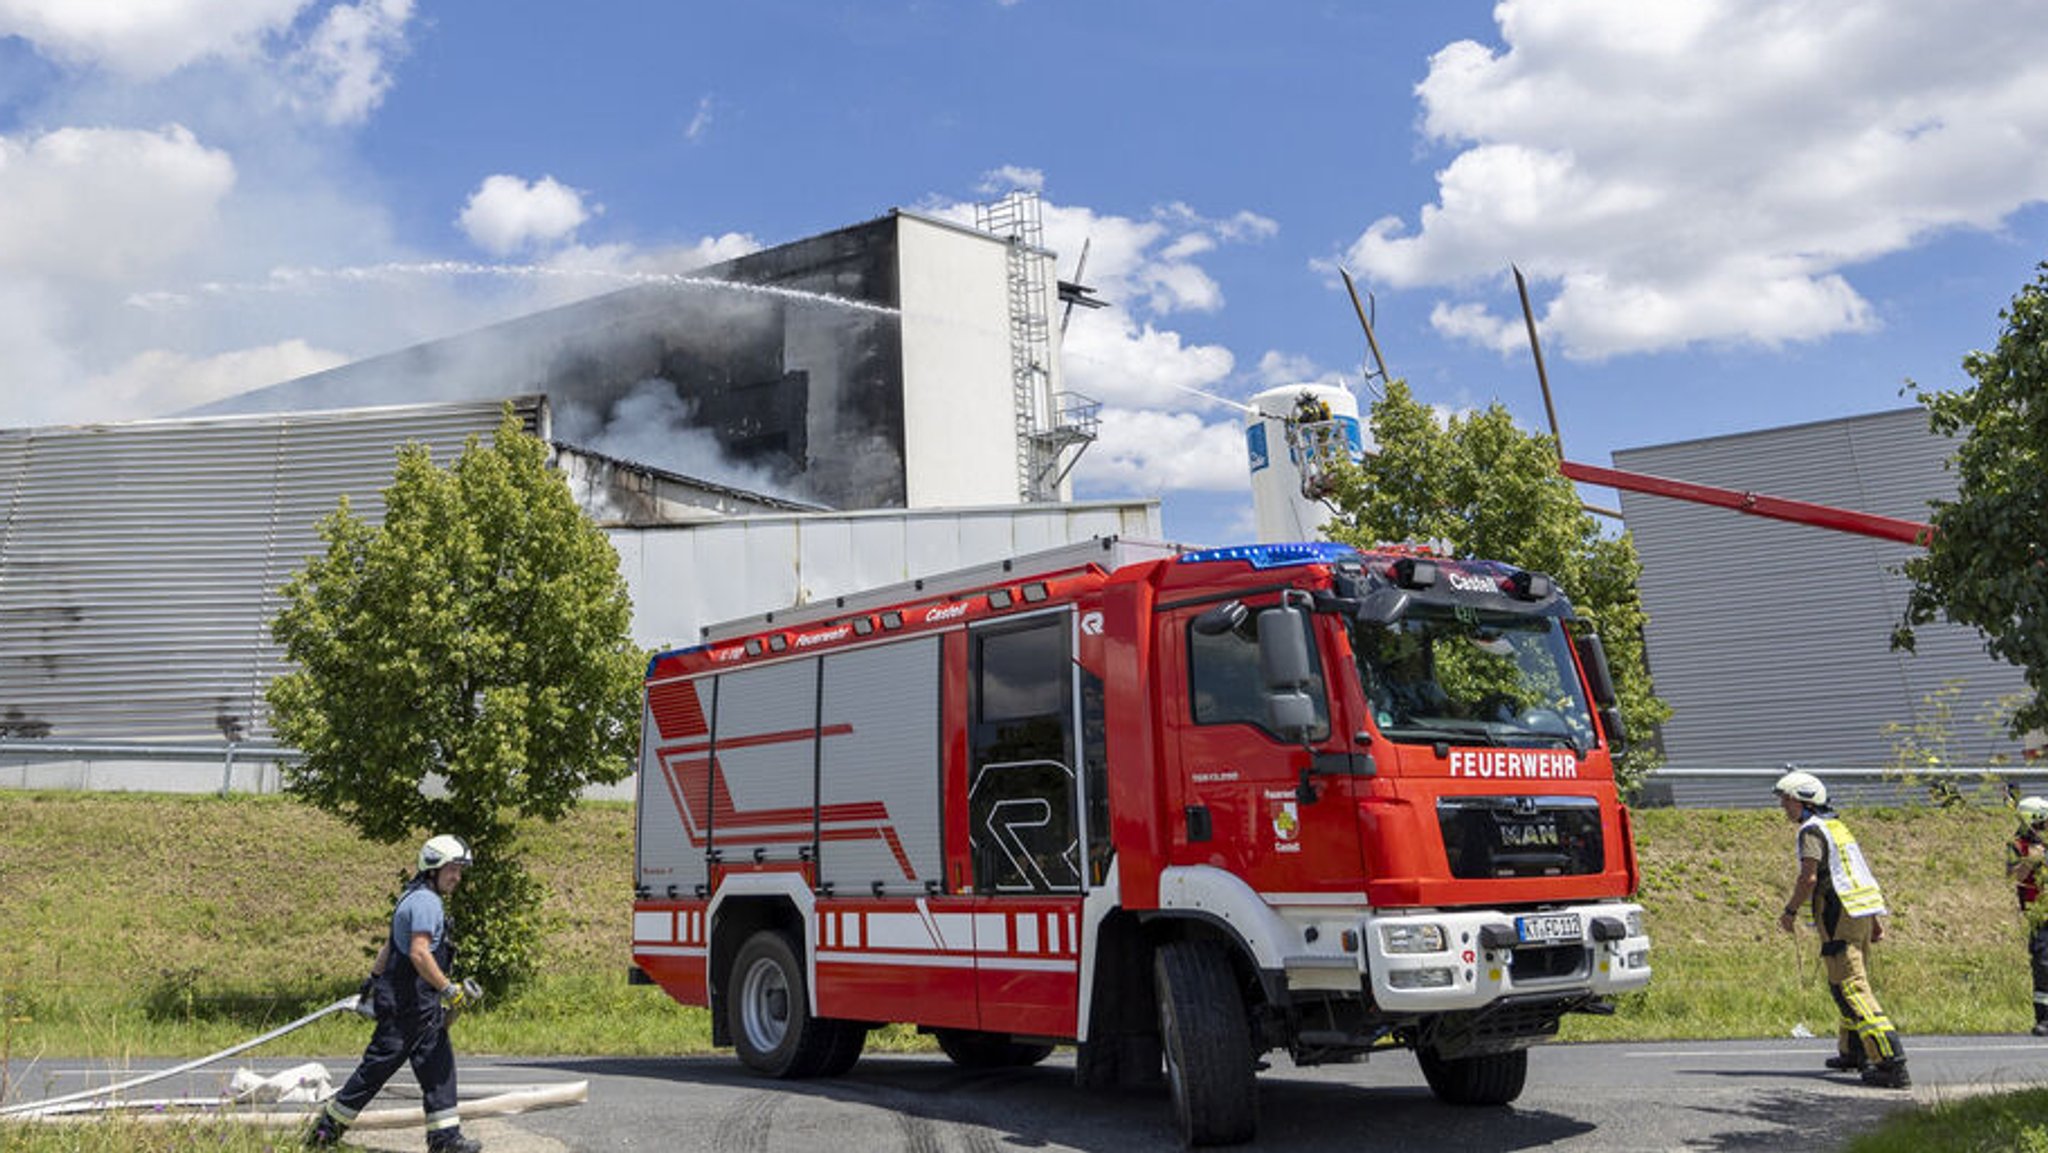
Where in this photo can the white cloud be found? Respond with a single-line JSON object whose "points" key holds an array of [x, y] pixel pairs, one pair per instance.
{"points": [[700, 122], [998, 181], [1148, 451], [161, 381], [1277, 368], [1117, 361], [346, 62], [1674, 174], [103, 204], [506, 214], [144, 39]]}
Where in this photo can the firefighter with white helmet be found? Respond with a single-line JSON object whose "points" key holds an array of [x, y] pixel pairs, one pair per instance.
{"points": [[2026, 856], [415, 999], [1836, 883]]}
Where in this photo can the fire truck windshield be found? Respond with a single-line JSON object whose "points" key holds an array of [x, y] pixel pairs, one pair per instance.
{"points": [[1472, 676]]}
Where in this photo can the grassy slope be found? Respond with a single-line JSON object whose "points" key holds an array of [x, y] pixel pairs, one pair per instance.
{"points": [[179, 925], [1953, 959]]}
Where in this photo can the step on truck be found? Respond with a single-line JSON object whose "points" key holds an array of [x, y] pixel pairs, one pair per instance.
{"points": [[1174, 808]]}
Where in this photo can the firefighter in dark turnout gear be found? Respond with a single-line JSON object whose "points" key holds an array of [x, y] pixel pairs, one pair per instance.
{"points": [[414, 1000], [1846, 903], [2026, 858]]}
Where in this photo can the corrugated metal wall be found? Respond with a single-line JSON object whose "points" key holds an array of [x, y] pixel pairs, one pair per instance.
{"points": [[140, 563], [1770, 640]]}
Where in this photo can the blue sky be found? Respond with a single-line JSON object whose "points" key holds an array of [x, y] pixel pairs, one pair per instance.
{"points": [[1733, 214]]}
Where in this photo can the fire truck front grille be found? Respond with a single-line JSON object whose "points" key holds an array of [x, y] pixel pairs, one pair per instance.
{"points": [[1547, 962], [1521, 836]]}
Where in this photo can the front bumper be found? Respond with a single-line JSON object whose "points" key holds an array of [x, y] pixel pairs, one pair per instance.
{"points": [[1484, 957]]}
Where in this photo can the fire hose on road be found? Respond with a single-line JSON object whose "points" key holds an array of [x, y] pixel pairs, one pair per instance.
{"points": [[85, 1103]]}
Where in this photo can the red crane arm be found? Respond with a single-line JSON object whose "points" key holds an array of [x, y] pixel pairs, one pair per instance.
{"points": [[1756, 504]]}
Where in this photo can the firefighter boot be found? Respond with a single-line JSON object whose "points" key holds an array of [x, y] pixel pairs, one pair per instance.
{"points": [[1888, 1075], [1852, 1062], [324, 1132], [2040, 1019], [452, 1141]]}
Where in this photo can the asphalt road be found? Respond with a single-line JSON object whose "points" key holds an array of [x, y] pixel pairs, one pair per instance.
{"points": [[1729, 1095]]}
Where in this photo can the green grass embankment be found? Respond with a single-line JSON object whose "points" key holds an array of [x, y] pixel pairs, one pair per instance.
{"points": [[175, 926], [171, 926]]}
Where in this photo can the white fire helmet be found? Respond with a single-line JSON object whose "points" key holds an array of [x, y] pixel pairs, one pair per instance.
{"points": [[446, 849], [1802, 787], [2034, 811]]}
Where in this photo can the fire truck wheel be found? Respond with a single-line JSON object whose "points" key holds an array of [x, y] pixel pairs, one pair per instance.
{"points": [[975, 1050], [849, 1038], [1491, 1079], [769, 1013], [1209, 1058]]}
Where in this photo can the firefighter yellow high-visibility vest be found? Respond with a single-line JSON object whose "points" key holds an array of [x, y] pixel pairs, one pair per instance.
{"points": [[1855, 885]]}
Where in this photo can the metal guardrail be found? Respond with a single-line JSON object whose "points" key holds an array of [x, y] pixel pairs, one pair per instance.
{"points": [[1693, 787], [145, 753], [1749, 786]]}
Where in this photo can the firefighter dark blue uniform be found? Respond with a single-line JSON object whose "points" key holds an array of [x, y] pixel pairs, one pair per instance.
{"points": [[2026, 858], [412, 1012]]}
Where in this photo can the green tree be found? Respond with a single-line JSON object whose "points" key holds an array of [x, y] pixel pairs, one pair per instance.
{"points": [[463, 666], [1492, 490], [1987, 563]]}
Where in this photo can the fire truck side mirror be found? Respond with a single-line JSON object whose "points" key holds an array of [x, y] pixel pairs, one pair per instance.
{"points": [[1284, 665], [1283, 649], [1617, 732], [1593, 655], [1291, 714]]}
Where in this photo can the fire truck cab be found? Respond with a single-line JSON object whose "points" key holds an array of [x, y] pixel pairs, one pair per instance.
{"points": [[1177, 809]]}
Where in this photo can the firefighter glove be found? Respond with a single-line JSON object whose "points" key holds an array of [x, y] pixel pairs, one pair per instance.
{"points": [[459, 996], [366, 997]]}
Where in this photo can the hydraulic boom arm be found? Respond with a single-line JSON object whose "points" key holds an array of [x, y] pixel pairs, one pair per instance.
{"points": [[1754, 503]]}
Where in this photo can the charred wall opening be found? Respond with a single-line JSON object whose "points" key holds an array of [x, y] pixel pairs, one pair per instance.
{"points": [[780, 372]]}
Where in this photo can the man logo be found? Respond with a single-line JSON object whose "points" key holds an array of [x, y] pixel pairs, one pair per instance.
{"points": [[1091, 624]]}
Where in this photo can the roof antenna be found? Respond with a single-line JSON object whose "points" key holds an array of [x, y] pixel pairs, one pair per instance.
{"points": [[1543, 379], [1073, 292], [1378, 368], [1535, 346]]}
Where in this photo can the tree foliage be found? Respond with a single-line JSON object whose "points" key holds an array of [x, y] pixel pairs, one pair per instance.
{"points": [[1492, 490], [463, 666], [1987, 564]]}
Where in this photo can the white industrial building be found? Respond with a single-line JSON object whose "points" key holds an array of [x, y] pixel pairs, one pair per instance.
{"points": [[860, 408]]}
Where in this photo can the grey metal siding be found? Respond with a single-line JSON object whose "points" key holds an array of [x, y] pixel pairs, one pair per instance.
{"points": [[1771, 640], [140, 564]]}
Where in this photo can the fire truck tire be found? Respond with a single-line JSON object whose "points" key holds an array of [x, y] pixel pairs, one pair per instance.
{"points": [[768, 1011], [970, 1049], [849, 1038], [1210, 1068], [1491, 1079]]}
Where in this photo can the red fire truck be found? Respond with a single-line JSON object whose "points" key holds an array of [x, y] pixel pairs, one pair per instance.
{"points": [[1174, 808]]}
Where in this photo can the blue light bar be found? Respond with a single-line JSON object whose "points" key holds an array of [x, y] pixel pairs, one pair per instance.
{"points": [[1264, 556]]}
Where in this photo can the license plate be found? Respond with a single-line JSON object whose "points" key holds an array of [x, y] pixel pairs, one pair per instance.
{"points": [[1548, 927]]}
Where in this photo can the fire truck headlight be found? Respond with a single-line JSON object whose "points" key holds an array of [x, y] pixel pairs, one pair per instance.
{"points": [[1419, 979], [1635, 923], [1413, 938]]}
